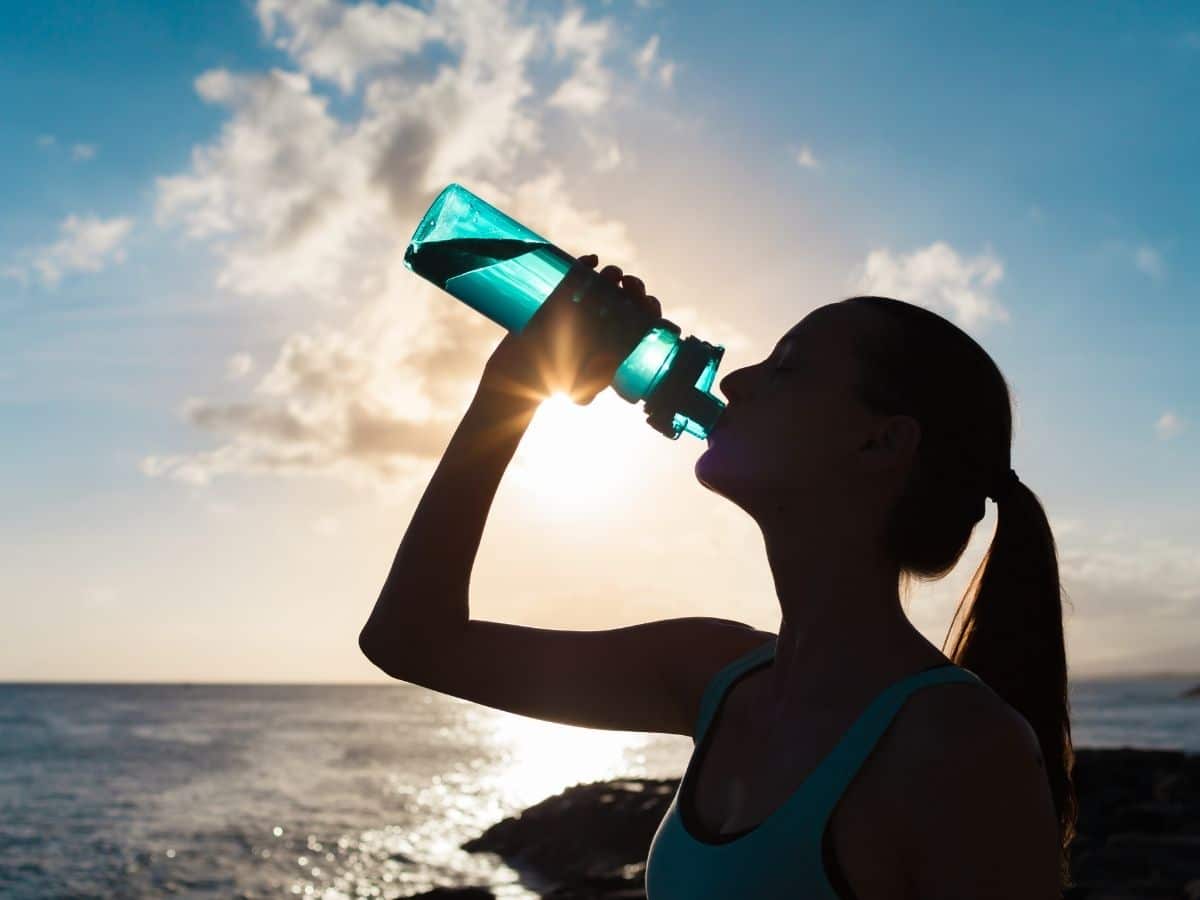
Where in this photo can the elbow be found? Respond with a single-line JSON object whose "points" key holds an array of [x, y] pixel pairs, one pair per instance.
{"points": [[369, 644]]}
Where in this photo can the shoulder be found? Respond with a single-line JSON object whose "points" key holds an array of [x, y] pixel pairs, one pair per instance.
{"points": [[975, 797], [944, 721]]}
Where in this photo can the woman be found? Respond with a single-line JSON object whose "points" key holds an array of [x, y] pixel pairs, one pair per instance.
{"points": [[843, 757]]}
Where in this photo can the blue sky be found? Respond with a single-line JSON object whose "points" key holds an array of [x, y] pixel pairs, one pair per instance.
{"points": [[1027, 172]]}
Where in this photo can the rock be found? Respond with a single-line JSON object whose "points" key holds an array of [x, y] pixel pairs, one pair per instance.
{"points": [[451, 893], [589, 841], [1191, 692], [1138, 832]]}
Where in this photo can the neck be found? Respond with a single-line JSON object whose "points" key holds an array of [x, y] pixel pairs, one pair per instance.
{"points": [[843, 622]]}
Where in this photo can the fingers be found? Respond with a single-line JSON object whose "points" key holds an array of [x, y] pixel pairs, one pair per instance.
{"points": [[631, 283], [612, 273]]}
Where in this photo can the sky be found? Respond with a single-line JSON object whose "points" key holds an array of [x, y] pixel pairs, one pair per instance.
{"points": [[221, 392]]}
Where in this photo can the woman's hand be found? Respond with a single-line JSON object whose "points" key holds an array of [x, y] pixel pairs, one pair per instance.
{"points": [[555, 352]]}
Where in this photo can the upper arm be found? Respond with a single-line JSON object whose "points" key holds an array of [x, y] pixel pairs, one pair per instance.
{"points": [[648, 677], [978, 814]]}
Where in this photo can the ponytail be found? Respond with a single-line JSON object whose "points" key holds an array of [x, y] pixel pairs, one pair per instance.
{"points": [[1008, 626], [1008, 630]]}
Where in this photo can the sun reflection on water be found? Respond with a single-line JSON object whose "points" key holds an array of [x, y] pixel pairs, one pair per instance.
{"points": [[540, 759]]}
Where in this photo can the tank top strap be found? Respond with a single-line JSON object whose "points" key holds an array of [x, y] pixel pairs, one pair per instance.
{"points": [[719, 683], [838, 769]]}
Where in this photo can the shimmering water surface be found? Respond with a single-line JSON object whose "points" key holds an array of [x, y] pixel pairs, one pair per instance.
{"points": [[332, 791]]}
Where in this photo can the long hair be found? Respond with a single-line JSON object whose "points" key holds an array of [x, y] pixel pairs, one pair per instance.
{"points": [[1008, 626]]}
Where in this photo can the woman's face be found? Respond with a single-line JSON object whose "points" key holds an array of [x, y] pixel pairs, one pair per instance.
{"points": [[792, 434]]}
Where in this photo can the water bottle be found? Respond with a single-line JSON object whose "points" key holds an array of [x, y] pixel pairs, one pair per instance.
{"points": [[503, 270]]}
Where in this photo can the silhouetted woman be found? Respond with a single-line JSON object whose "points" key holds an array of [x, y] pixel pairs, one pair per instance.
{"points": [[846, 757]]}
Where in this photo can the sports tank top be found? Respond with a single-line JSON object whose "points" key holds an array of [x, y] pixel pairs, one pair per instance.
{"points": [[788, 854]]}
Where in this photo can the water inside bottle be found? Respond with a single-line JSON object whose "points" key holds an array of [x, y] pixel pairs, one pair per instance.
{"points": [[502, 278]]}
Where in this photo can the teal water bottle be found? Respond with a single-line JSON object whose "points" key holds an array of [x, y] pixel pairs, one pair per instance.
{"points": [[503, 270]]}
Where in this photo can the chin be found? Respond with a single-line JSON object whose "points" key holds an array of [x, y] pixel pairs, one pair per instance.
{"points": [[713, 472]]}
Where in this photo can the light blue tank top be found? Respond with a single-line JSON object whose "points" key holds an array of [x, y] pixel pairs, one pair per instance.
{"points": [[784, 856]]}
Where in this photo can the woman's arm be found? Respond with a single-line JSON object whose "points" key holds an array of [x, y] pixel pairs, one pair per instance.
{"points": [[425, 594], [646, 677], [424, 597]]}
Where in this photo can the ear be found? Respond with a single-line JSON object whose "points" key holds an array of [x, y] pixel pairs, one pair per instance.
{"points": [[892, 443]]}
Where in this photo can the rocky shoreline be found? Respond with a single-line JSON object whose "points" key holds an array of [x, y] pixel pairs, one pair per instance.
{"points": [[1139, 833]]}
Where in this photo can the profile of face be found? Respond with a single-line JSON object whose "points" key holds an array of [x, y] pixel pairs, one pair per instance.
{"points": [[795, 440]]}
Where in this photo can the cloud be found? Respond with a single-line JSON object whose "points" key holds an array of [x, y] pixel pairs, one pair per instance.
{"points": [[938, 278], [589, 87], [1190, 40], [804, 157], [238, 366], [1150, 261], [645, 61], [85, 244], [1133, 575], [46, 141], [1126, 586], [1169, 425], [83, 152], [299, 203], [343, 43]]}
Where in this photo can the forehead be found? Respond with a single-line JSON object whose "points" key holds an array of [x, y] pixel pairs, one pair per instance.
{"points": [[827, 331]]}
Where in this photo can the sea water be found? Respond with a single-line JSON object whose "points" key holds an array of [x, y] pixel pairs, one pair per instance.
{"points": [[337, 792]]}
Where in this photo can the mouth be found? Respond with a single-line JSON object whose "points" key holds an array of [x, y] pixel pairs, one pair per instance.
{"points": [[718, 425]]}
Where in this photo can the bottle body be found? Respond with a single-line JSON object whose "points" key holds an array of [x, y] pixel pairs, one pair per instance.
{"points": [[505, 271]]}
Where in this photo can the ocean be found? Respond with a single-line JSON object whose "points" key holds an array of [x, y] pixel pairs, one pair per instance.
{"points": [[335, 792]]}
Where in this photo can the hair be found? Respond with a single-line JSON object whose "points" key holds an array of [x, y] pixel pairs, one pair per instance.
{"points": [[1009, 620]]}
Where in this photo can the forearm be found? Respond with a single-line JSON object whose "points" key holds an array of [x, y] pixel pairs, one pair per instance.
{"points": [[426, 590]]}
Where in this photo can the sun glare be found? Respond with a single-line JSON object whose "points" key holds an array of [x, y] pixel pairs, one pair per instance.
{"points": [[574, 457]]}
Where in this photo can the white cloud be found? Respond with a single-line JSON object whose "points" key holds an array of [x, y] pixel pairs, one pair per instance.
{"points": [[298, 202], [1134, 576], [238, 366], [588, 88], [1150, 261], [1169, 425], [83, 152], [938, 278], [46, 141], [85, 244], [1127, 584], [606, 153], [804, 157], [343, 43], [645, 61]]}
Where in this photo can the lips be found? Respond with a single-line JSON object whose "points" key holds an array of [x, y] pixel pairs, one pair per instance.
{"points": [[719, 425]]}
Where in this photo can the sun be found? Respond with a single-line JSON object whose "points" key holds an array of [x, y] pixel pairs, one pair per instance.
{"points": [[574, 459]]}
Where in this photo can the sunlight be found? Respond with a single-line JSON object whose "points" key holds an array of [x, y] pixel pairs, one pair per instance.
{"points": [[569, 460], [543, 758]]}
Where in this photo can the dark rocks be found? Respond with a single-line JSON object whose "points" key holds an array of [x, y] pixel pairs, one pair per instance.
{"points": [[589, 841], [1139, 832], [447, 893], [1191, 692]]}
